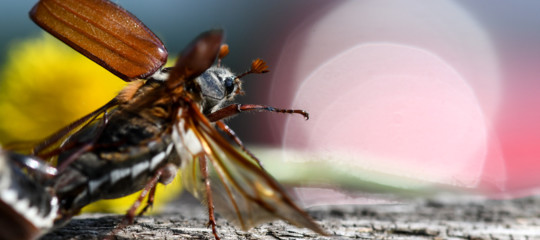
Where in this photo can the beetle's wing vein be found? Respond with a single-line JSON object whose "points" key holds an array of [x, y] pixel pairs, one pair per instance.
{"points": [[242, 192]]}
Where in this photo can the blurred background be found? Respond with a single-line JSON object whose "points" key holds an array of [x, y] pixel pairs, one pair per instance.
{"points": [[440, 92]]}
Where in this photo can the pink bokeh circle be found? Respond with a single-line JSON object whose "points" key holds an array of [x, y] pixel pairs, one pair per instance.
{"points": [[396, 108]]}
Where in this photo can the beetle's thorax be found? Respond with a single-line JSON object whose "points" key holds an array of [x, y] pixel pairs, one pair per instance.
{"points": [[219, 86], [213, 89]]}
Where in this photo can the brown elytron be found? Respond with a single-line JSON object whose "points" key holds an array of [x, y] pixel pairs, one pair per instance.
{"points": [[117, 40], [158, 125]]}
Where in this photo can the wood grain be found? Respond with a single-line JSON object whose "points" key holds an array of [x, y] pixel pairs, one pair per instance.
{"points": [[441, 217]]}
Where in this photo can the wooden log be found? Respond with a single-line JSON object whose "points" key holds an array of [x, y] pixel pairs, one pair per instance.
{"points": [[440, 217]]}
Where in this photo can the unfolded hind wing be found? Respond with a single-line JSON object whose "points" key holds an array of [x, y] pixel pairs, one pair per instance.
{"points": [[242, 192]]}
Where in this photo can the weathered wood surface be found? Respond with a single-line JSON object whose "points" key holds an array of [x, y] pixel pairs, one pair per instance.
{"points": [[442, 217]]}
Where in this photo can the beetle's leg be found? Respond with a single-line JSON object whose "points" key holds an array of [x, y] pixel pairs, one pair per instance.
{"points": [[130, 215], [149, 201], [221, 125], [234, 109], [211, 217]]}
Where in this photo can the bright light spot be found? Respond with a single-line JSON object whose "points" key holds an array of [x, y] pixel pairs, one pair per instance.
{"points": [[405, 108]]}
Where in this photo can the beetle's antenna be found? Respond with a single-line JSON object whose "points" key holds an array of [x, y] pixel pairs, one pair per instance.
{"points": [[257, 66], [223, 52]]}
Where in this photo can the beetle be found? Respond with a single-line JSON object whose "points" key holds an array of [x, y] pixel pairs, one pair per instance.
{"points": [[28, 208], [164, 120]]}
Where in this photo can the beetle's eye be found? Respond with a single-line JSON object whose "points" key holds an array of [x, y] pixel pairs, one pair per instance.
{"points": [[229, 85]]}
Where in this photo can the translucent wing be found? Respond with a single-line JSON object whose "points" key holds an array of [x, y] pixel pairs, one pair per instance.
{"points": [[50, 146], [242, 192]]}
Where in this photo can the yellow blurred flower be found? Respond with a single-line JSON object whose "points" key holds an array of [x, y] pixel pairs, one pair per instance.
{"points": [[44, 86]]}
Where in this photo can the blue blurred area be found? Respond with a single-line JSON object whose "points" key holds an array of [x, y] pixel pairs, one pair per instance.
{"points": [[249, 25], [258, 29], [254, 29]]}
